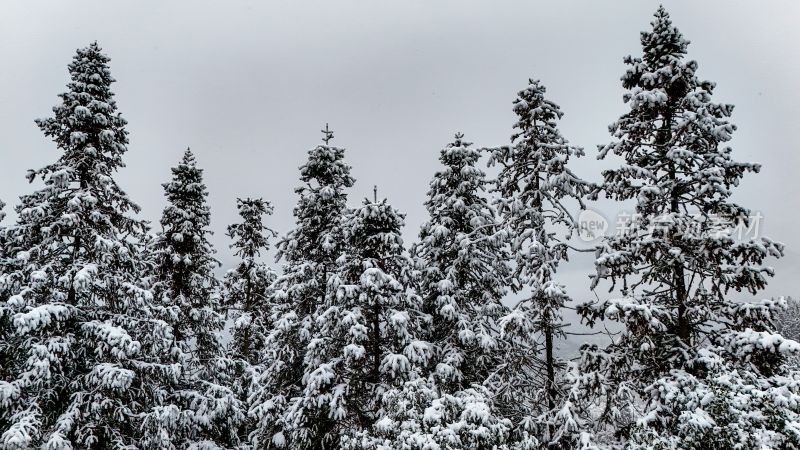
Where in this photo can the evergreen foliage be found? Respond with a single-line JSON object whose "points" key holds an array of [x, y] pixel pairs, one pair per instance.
{"points": [[365, 337], [419, 417], [689, 352], [184, 284], [113, 337], [535, 184], [74, 370], [246, 296], [462, 261], [309, 252], [197, 407]]}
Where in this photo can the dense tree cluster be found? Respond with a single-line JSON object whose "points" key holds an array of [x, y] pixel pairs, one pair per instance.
{"points": [[117, 336]]}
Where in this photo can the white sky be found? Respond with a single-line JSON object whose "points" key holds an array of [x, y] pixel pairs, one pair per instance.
{"points": [[249, 84]]}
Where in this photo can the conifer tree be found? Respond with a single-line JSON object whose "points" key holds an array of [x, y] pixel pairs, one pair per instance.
{"points": [[694, 367], [6, 327], [197, 408], [462, 262], [365, 342], [184, 284], [459, 270], [535, 184], [75, 373], [309, 253], [246, 296], [419, 416], [2, 236]]}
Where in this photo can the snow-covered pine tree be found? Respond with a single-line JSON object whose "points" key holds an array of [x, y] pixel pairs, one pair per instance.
{"points": [[535, 186], [246, 297], [462, 264], [75, 375], [693, 367], [2, 237], [459, 270], [419, 416], [309, 253], [6, 327], [365, 338], [197, 409], [2, 228], [184, 284]]}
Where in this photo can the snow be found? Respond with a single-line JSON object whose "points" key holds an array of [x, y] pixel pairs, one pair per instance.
{"points": [[364, 343], [22, 433], [111, 376], [41, 316]]}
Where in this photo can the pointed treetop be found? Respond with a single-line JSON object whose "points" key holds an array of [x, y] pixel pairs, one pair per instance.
{"points": [[86, 124], [253, 207], [375, 193], [188, 157], [537, 116], [375, 212], [187, 180], [90, 66], [664, 39], [457, 154], [328, 134], [251, 236]]}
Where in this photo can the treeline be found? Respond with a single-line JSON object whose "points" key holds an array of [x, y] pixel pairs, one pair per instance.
{"points": [[111, 332]]}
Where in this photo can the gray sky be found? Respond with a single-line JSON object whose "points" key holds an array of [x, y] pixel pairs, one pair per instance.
{"points": [[248, 85]]}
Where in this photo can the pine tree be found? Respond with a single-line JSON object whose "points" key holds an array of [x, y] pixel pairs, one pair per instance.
{"points": [[184, 283], [459, 270], [309, 253], [421, 417], [6, 326], [2, 239], [197, 408], [365, 342], [693, 368], [246, 296], [74, 372], [462, 264], [535, 184]]}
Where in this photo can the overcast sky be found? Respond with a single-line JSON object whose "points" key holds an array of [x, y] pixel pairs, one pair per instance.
{"points": [[248, 85]]}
